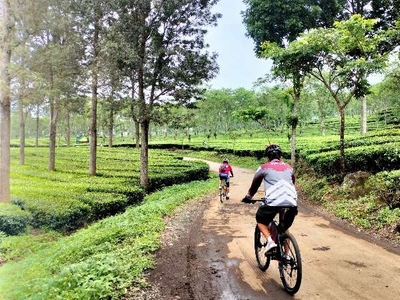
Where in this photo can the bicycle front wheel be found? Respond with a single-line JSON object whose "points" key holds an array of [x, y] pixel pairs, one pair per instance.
{"points": [[259, 247], [221, 195], [290, 269], [222, 191]]}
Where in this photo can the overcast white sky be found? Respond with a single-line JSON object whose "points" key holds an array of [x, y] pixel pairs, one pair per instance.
{"points": [[238, 64]]}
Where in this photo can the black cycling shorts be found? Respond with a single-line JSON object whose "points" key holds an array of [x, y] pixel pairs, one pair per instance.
{"points": [[265, 214], [226, 177]]}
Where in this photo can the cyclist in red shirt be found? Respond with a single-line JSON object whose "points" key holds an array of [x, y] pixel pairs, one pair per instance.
{"points": [[224, 170]]}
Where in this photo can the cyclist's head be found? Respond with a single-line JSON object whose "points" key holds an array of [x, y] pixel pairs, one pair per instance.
{"points": [[273, 151], [225, 160]]}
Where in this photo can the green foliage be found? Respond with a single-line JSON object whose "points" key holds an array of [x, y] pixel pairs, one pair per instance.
{"points": [[15, 248], [103, 260], [387, 187], [13, 220], [68, 199], [388, 216], [277, 21], [373, 157]]}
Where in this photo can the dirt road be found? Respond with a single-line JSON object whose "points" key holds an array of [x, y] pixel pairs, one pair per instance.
{"points": [[208, 254]]}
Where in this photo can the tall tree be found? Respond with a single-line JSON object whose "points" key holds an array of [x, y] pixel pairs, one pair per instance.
{"points": [[12, 13], [316, 92], [6, 32], [92, 22], [280, 21], [167, 40], [56, 53], [326, 56]]}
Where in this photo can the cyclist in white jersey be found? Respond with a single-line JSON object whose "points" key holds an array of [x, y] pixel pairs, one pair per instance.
{"points": [[279, 180]]}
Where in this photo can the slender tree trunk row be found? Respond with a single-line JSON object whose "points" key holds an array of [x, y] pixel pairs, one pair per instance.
{"points": [[21, 130], [93, 114], [5, 109], [363, 115]]}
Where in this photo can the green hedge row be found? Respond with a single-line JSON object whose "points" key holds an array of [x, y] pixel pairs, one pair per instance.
{"points": [[13, 220], [373, 159], [318, 145], [69, 198]]}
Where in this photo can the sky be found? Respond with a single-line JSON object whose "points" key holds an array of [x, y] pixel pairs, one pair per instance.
{"points": [[238, 65]]}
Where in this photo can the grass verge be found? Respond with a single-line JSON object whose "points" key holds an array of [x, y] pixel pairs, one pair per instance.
{"points": [[101, 261]]}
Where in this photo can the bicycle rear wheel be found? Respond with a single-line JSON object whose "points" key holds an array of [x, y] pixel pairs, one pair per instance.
{"points": [[259, 249], [222, 191], [290, 270]]}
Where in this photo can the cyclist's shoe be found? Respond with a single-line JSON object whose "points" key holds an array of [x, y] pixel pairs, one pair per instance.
{"points": [[271, 245], [227, 197]]}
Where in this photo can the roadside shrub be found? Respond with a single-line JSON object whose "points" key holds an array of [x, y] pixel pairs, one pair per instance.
{"points": [[387, 216], [387, 187], [63, 215], [13, 220], [186, 172]]}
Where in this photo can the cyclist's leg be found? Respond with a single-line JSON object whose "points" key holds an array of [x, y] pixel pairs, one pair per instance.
{"points": [[288, 221], [221, 178], [264, 216], [264, 229], [227, 187]]}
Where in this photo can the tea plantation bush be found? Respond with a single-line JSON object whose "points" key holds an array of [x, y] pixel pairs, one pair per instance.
{"points": [[69, 198], [13, 220]]}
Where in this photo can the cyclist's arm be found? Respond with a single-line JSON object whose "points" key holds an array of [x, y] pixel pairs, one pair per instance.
{"points": [[255, 184]]}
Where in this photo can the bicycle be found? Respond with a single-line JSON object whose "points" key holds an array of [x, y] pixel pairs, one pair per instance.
{"points": [[222, 190], [287, 253]]}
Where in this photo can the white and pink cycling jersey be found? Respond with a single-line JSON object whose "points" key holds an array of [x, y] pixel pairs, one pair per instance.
{"points": [[279, 179]]}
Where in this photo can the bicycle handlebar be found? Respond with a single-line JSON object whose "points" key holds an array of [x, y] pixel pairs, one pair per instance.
{"points": [[253, 201]]}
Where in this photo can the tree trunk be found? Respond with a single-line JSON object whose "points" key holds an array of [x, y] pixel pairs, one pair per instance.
{"points": [[68, 129], [133, 114], [323, 129], [137, 134], [21, 131], [5, 109], [111, 127], [53, 134], [363, 115], [93, 114], [297, 87], [342, 145], [37, 125], [93, 128], [144, 155], [293, 133]]}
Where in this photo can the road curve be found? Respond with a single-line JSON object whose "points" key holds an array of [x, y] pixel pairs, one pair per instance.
{"points": [[336, 264]]}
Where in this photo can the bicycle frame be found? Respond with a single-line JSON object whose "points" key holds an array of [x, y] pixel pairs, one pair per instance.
{"points": [[222, 190], [287, 253]]}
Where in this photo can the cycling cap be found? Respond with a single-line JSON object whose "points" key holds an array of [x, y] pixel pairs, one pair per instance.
{"points": [[273, 151], [225, 160]]}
